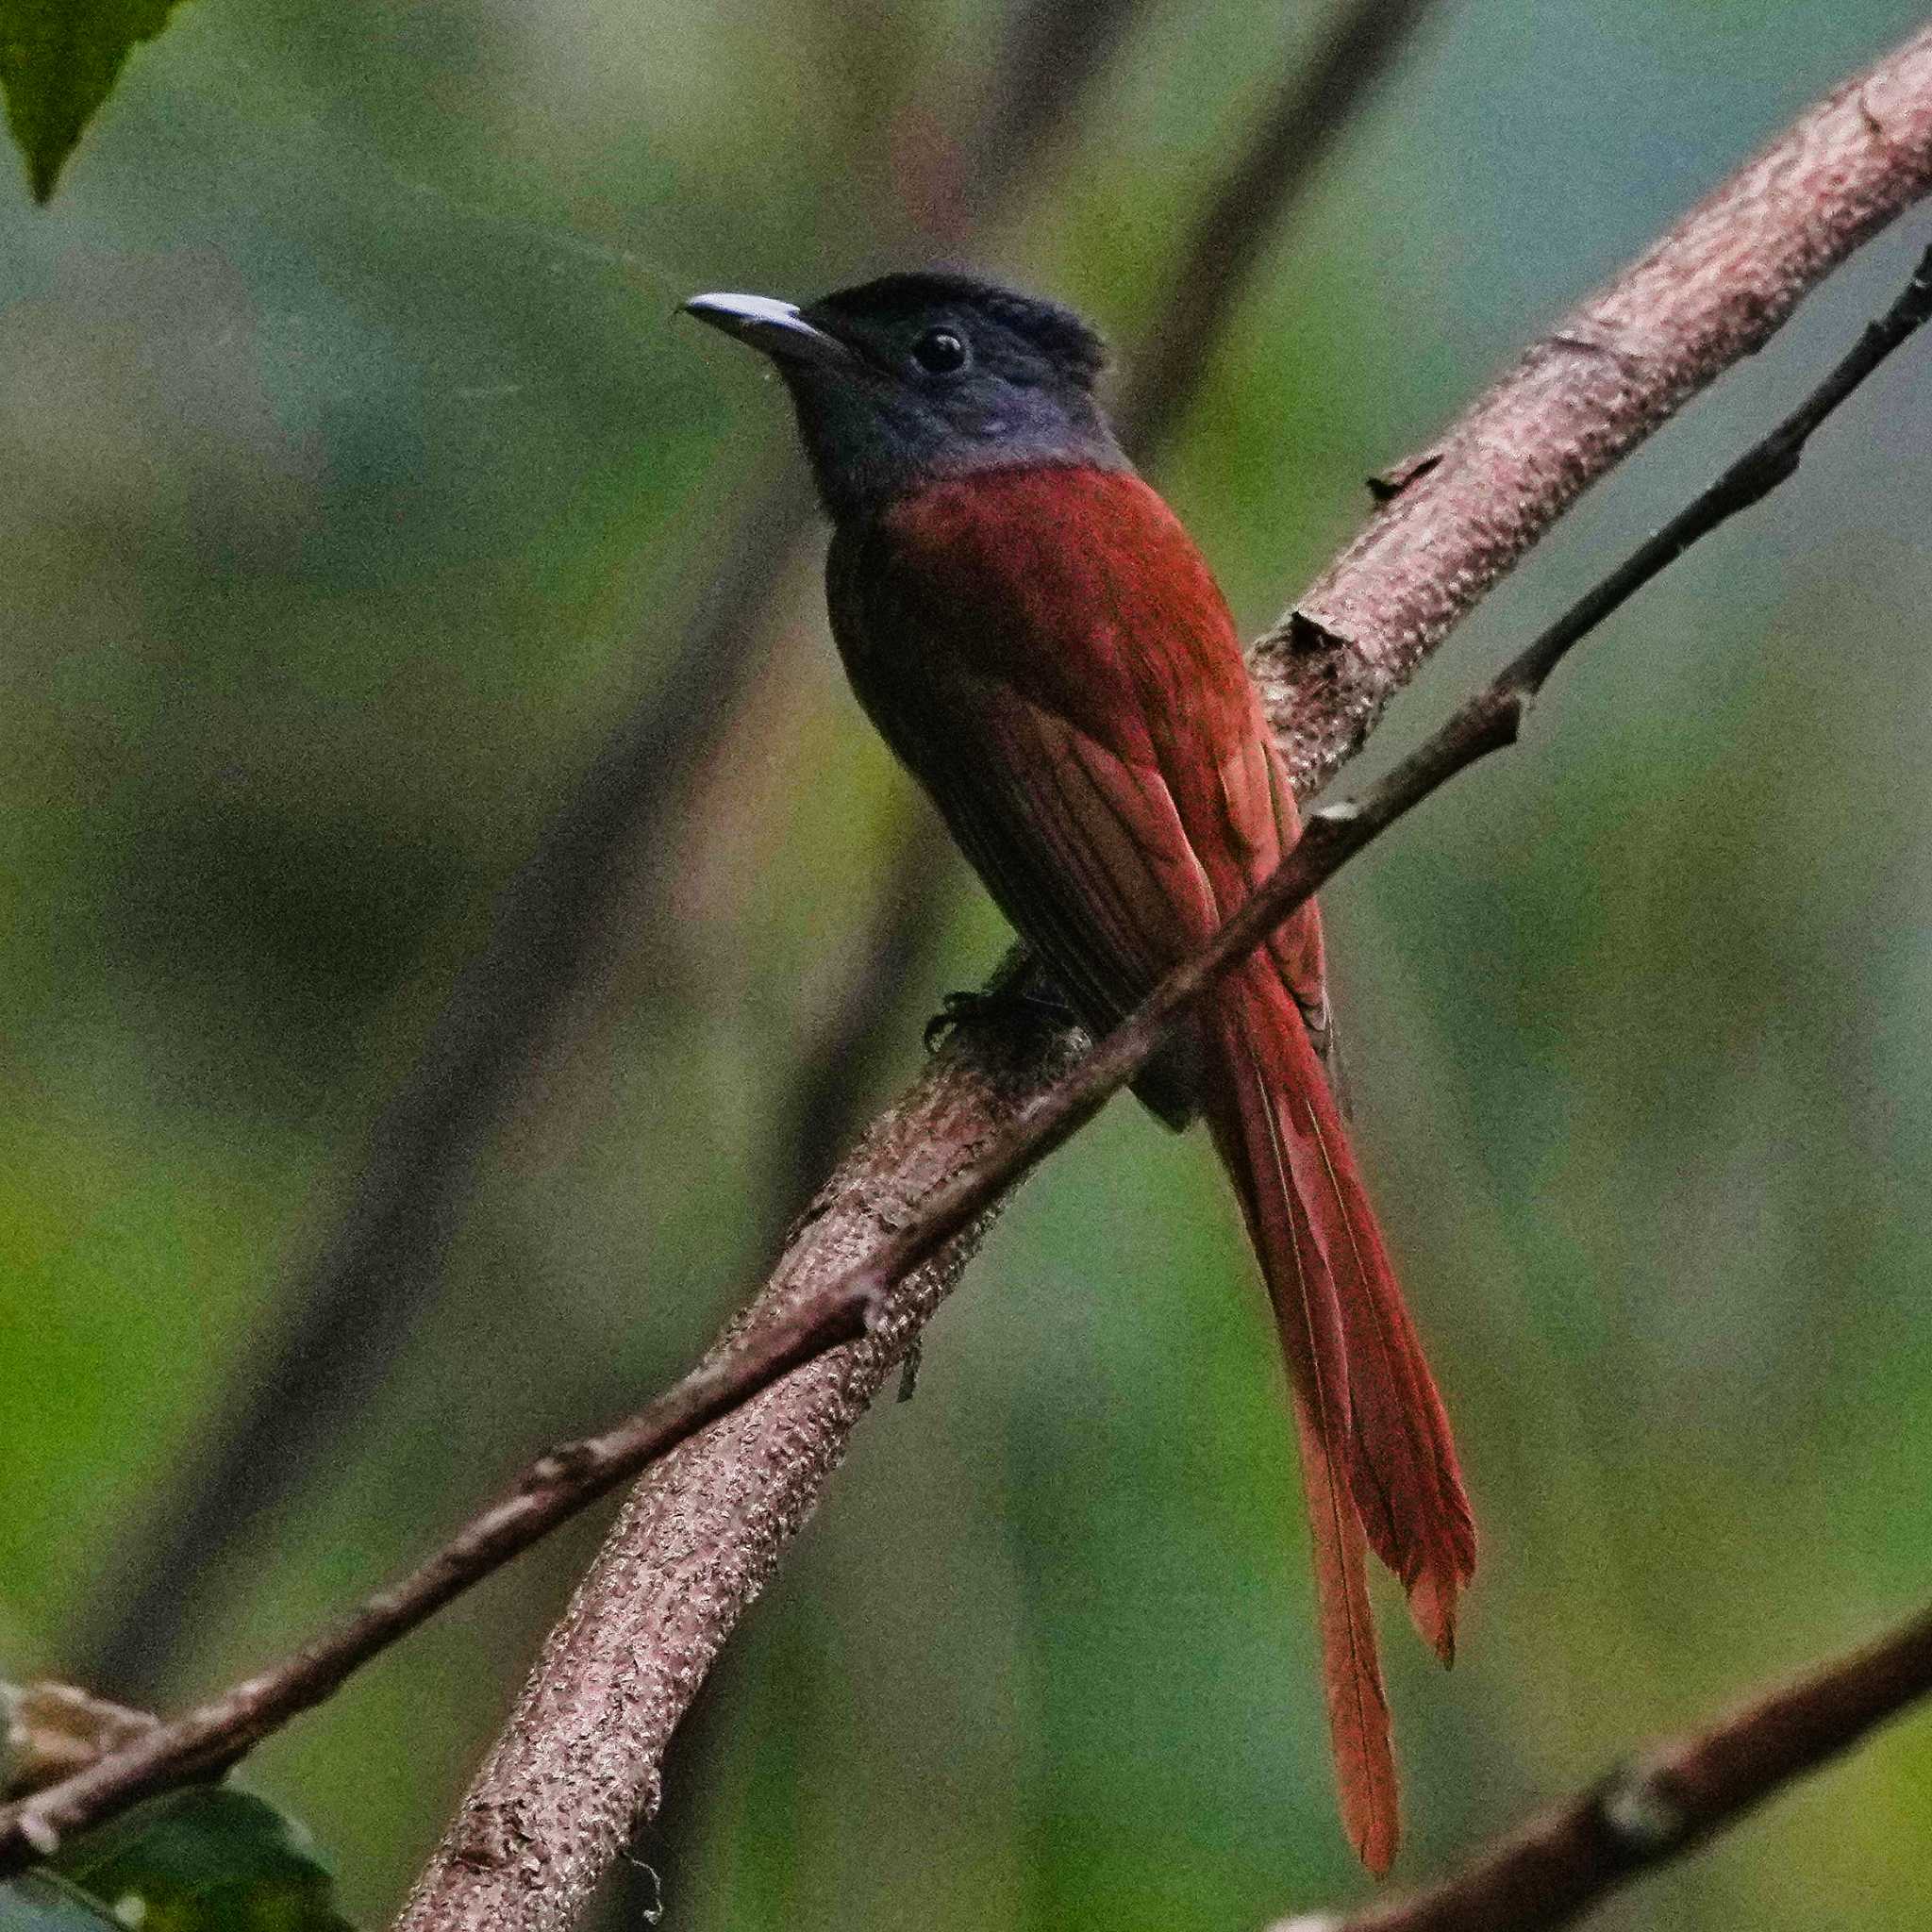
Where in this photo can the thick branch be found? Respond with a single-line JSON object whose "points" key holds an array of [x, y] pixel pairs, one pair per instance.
{"points": [[836, 1307], [1568, 1859], [582, 1756], [1716, 288]]}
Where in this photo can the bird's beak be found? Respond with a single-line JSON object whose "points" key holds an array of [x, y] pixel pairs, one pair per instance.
{"points": [[775, 327]]}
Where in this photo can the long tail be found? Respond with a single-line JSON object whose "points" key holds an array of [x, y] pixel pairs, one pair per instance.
{"points": [[1377, 1463]]}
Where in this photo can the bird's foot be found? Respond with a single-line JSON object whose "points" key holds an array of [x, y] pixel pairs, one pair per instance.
{"points": [[1026, 1001]]}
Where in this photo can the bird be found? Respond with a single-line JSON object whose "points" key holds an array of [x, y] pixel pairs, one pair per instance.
{"points": [[1040, 642]]}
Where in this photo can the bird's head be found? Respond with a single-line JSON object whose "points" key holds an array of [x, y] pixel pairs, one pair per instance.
{"points": [[915, 378]]}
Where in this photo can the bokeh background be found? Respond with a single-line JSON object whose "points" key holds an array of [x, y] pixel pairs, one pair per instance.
{"points": [[359, 484]]}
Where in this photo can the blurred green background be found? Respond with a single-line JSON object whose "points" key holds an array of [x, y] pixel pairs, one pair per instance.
{"points": [[359, 481]]}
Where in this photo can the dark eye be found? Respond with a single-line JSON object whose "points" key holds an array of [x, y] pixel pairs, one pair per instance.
{"points": [[940, 352]]}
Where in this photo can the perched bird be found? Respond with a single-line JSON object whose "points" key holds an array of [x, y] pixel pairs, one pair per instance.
{"points": [[1039, 639]]}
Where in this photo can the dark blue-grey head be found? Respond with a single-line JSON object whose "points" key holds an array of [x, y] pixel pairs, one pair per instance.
{"points": [[912, 378]]}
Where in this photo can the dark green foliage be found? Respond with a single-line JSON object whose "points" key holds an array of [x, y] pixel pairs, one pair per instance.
{"points": [[59, 61], [207, 1860], [37, 1903]]}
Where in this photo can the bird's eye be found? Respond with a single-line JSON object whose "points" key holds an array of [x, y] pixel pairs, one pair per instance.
{"points": [[940, 352]]}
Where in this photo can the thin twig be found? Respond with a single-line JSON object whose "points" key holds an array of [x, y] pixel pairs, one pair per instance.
{"points": [[550, 1490], [579, 1759], [1672, 1798], [576, 1475]]}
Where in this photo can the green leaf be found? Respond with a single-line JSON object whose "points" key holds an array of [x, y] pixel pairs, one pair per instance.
{"points": [[59, 61], [38, 1902], [205, 1860]]}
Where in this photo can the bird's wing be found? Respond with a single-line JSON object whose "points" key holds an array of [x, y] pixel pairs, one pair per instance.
{"points": [[1050, 655]]}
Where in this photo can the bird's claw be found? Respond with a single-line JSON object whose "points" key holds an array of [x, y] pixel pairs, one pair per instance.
{"points": [[1027, 1001], [956, 1008]]}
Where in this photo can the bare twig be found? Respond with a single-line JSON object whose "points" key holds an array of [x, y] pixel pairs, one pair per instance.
{"points": [[348, 1312], [580, 1756], [836, 1311], [550, 1490], [1676, 1796], [1357, 48]]}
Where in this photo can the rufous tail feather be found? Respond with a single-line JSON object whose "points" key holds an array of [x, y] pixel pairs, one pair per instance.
{"points": [[1378, 1466], [1402, 1464]]}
